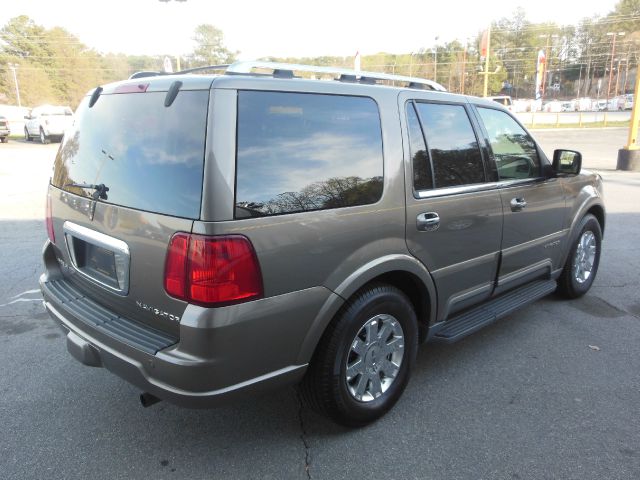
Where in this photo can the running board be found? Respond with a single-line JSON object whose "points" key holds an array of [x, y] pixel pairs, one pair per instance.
{"points": [[485, 314]]}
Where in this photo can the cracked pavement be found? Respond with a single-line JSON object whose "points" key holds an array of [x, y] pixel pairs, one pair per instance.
{"points": [[526, 398]]}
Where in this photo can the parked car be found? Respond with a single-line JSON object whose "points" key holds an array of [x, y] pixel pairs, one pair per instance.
{"points": [[568, 107], [599, 105], [553, 106], [47, 122], [616, 103], [213, 235], [628, 101], [5, 131], [584, 104]]}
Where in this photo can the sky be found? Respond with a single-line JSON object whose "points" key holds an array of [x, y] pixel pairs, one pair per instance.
{"points": [[285, 27]]}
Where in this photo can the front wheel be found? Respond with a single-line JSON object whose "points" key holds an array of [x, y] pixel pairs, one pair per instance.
{"points": [[4, 139], [584, 258], [27, 137], [363, 361]]}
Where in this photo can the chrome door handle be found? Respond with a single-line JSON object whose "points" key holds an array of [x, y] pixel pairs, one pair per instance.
{"points": [[428, 221], [518, 204]]}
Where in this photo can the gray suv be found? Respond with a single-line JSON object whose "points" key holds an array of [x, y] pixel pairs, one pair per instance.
{"points": [[217, 234]]}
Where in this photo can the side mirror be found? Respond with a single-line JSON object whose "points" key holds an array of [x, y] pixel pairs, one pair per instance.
{"points": [[27, 117], [568, 162]]}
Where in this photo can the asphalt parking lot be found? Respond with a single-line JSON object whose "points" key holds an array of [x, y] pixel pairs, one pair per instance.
{"points": [[552, 392]]}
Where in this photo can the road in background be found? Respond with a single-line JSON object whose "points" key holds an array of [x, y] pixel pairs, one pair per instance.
{"points": [[552, 392], [539, 118]]}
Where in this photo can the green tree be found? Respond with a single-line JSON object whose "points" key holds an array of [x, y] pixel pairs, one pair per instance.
{"points": [[210, 48]]}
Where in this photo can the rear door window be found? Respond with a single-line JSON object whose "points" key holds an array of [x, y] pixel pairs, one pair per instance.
{"points": [[298, 152], [151, 157], [452, 145]]}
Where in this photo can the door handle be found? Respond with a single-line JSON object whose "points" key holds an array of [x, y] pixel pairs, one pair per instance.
{"points": [[518, 204], [428, 221]]}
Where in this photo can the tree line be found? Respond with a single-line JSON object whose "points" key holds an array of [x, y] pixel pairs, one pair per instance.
{"points": [[54, 66]]}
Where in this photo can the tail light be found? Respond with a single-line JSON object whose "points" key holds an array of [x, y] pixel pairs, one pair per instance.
{"points": [[49, 221], [212, 271]]}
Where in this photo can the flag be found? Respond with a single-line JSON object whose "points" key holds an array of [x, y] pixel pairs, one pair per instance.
{"points": [[484, 43]]}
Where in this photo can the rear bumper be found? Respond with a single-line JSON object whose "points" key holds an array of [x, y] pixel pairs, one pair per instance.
{"points": [[221, 353], [53, 132]]}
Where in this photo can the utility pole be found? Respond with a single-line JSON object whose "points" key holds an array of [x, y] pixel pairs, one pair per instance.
{"points": [[547, 63], [486, 63], [613, 52], [13, 67], [615, 90], [464, 64], [435, 61]]}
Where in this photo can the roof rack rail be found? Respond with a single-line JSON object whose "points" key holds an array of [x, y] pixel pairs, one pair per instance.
{"points": [[148, 73], [285, 70], [145, 73], [223, 66], [344, 74]]}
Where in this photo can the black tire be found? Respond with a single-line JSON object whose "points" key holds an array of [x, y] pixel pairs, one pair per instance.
{"points": [[325, 388], [568, 285], [43, 138], [5, 139], [27, 137]]}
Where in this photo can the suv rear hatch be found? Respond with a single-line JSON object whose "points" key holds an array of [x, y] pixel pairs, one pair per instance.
{"points": [[127, 176]]}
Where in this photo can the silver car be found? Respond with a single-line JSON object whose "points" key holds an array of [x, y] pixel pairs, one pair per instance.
{"points": [[212, 235]]}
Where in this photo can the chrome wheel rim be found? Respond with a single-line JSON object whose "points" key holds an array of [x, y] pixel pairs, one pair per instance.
{"points": [[585, 257], [374, 358]]}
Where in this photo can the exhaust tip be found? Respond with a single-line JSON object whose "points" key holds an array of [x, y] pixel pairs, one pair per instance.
{"points": [[146, 399]]}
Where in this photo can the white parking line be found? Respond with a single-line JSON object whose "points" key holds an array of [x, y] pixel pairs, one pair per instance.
{"points": [[35, 290], [21, 300]]}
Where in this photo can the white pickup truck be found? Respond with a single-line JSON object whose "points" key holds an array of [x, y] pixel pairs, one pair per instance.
{"points": [[46, 122]]}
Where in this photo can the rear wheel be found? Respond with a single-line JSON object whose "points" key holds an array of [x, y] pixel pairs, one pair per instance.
{"points": [[27, 137], [584, 258], [363, 361], [5, 139], [43, 137]]}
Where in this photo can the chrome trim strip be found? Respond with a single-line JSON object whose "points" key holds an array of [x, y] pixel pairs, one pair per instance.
{"points": [[519, 181], [119, 248], [440, 192], [461, 266]]}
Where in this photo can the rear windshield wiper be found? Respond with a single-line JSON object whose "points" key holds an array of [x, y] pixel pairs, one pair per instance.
{"points": [[100, 189]]}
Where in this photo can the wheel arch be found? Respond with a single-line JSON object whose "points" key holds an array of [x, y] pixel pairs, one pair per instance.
{"points": [[401, 271]]}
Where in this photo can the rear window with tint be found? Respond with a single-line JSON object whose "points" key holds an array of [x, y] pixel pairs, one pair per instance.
{"points": [[300, 152], [151, 157]]}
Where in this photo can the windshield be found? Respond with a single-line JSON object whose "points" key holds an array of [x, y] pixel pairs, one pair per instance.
{"points": [[150, 157]]}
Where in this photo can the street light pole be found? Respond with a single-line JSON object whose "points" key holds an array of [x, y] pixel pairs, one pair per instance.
{"points": [[13, 66]]}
